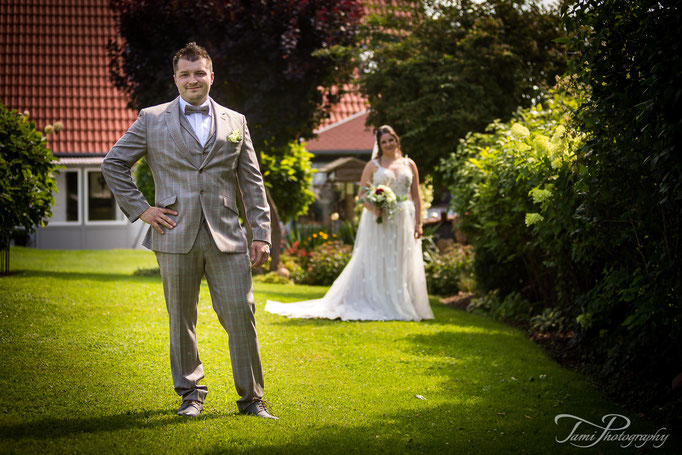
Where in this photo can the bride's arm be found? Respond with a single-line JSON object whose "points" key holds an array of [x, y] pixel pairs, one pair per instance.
{"points": [[366, 182], [417, 200]]}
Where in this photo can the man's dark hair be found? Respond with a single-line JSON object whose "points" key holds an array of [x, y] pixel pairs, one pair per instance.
{"points": [[192, 52]]}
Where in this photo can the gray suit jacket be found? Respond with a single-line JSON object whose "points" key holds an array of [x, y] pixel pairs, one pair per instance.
{"points": [[180, 185]]}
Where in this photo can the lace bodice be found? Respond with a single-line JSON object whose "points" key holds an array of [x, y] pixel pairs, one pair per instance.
{"points": [[400, 185]]}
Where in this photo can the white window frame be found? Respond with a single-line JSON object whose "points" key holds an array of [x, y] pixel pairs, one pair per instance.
{"points": [[86, 191], [79, 180]]}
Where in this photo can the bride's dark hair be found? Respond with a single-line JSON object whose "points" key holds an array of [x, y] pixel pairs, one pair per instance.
{"points": [[384, 129]]}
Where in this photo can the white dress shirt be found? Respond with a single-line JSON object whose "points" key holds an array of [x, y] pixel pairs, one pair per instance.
{"points": [[201, 124]]}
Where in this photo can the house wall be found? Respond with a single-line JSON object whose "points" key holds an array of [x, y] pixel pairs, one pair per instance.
{"points": [[126, 236], [85, 215]]}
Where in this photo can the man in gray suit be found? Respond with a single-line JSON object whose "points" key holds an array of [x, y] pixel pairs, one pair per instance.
{"points": [[200, 154]]}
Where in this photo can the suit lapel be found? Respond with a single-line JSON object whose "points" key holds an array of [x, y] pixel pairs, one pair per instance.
{"points": [[221, 127], [173, 124]]}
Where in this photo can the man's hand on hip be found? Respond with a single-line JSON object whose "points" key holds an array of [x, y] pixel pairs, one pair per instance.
{"points": [[158, 217], [260, 251]]}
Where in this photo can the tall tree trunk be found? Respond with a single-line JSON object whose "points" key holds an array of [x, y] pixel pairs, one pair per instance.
{"points": [[4, 254], [276, 233]]}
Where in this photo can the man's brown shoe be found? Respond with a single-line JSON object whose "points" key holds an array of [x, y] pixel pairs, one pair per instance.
{"points": [[259, 409], [191, 408]]}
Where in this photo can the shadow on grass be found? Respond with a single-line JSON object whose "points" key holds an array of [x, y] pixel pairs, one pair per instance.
{"points": [[292, 295], [471, 430], [393, 433], [54, 428], [69, 276]]}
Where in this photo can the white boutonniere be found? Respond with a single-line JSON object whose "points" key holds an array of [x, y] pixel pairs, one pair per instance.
{"points": [[234, 137]]}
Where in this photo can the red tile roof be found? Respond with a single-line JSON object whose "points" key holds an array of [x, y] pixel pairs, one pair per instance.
{"points": [[349, 136], [350, 103], [54, 63]]}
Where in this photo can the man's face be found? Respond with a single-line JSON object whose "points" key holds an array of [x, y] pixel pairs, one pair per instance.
{"points": [[193, 80]]}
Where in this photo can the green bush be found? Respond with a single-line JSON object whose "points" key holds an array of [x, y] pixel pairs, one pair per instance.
{"points": [[511, 308], [145, 180], [306, 237], [272, 278], [492, 273], [516, 186], [319, 266], [27, 181], [550, 320], [632, 313], [292, 264], [445, 272], [288, 175], [589, 224], [347, 231], [326, 263]]}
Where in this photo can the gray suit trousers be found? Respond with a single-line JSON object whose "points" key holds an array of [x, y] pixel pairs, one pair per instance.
{"points": [[229, 282]]}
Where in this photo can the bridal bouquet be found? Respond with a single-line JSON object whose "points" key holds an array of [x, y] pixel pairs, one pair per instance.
{"points": [[383, 198]]}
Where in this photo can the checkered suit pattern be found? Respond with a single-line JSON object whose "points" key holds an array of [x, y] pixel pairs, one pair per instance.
{"points": [[229, 282], [189, 189], [201, 184]]}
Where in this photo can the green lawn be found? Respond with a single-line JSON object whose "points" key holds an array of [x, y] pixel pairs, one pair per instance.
{"points": [[85, 369]]}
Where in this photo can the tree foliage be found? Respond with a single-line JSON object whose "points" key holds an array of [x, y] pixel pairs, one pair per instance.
{"points": [[597, 233], [516, 190], [436, 70], [629, 53], [265, 57], [289, 175], [145, 180], [27, 169]]}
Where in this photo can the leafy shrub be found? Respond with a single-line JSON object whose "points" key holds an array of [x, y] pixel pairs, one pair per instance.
{"points": [[288, 175], [517, 185], [632, 311], [445, 272], [27, 181], [492, 273], [291, 263], [307, 237], [593, 220], [272, 278], [347, 231], [512, 307], [550, 320], [145, 180], [323, 265]]}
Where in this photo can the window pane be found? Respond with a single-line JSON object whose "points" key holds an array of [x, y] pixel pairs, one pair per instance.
{"points": [[66, 198], [71, 196], [101, 203]]}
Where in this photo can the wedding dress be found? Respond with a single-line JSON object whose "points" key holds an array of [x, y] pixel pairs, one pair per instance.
{"points": [[384, 279]]}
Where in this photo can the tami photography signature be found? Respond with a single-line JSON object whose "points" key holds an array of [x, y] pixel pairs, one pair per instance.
{"points": [[585, 434]]}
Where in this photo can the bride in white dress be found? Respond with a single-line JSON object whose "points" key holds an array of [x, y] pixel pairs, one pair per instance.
{"points": [[384, 279]]}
